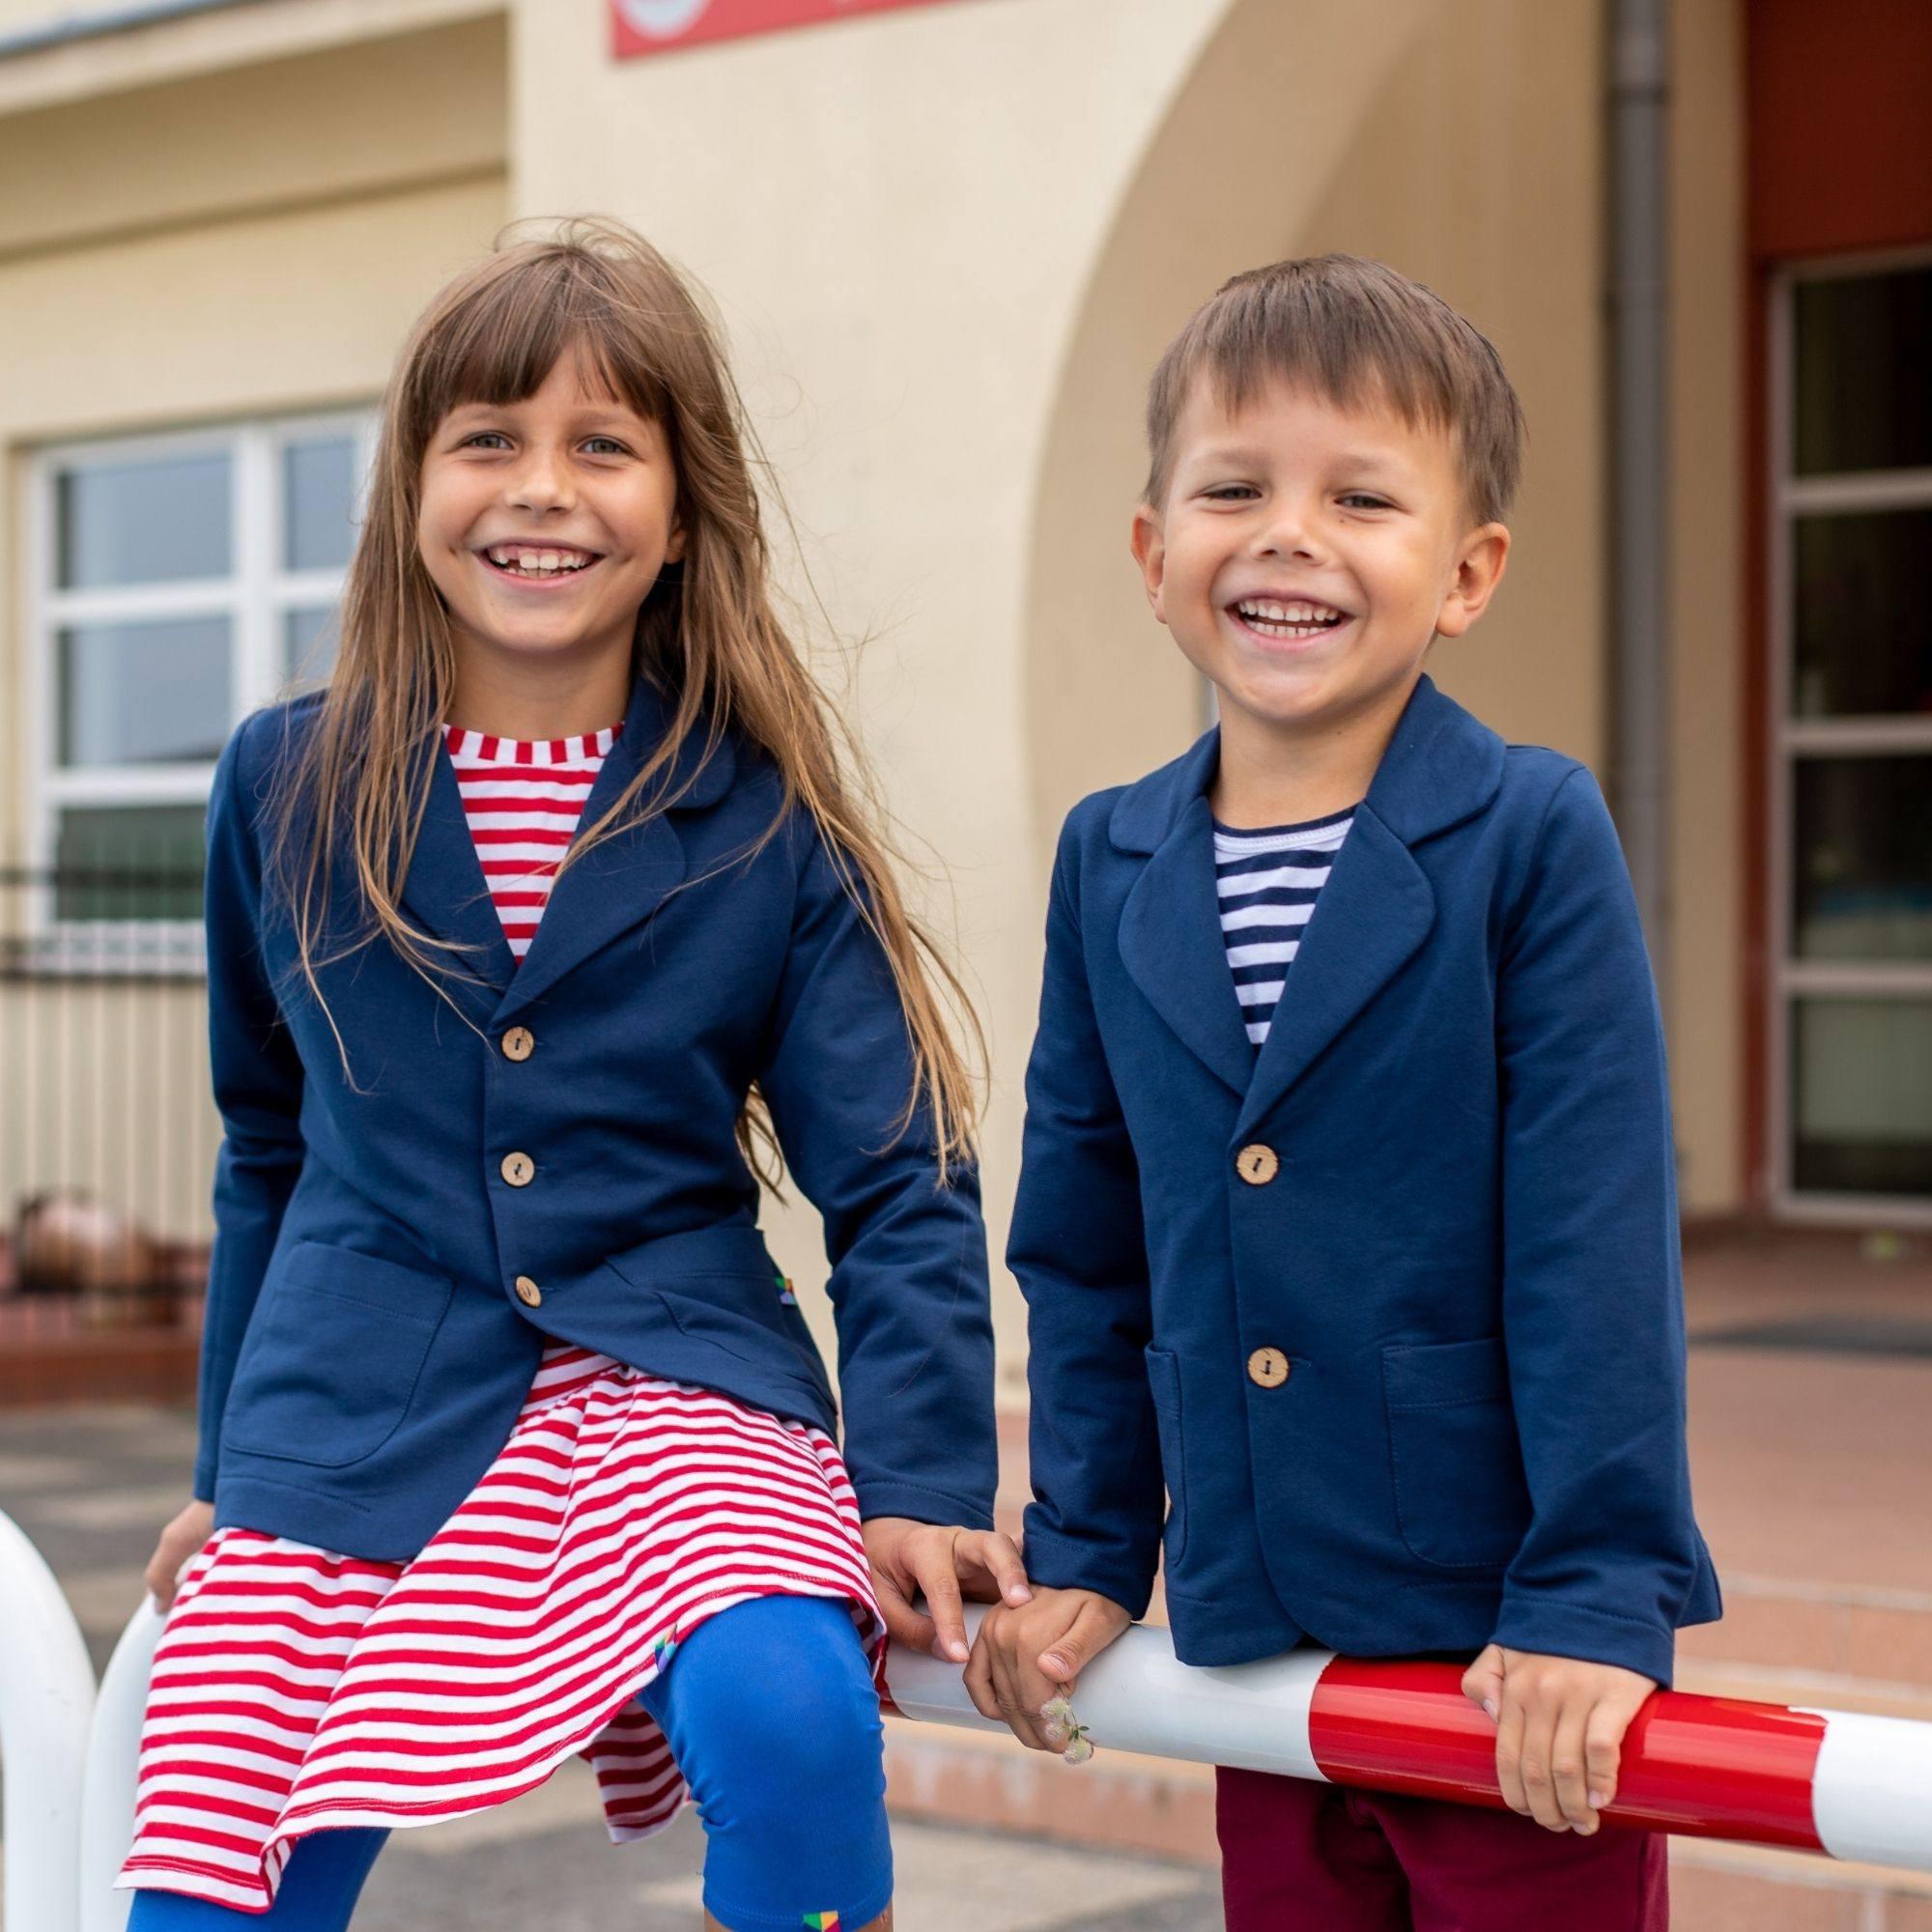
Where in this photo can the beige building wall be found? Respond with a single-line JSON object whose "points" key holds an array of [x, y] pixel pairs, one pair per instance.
{"points": [[231, 243], [948, 243]]}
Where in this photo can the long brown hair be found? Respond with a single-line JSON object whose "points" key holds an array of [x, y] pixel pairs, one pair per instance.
{"points": [[709, 636]]}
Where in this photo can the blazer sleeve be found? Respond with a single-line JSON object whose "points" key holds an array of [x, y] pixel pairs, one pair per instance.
{"points": [[909, 1281], [1593, 1313], [258, 1090], [1079, 1251]]}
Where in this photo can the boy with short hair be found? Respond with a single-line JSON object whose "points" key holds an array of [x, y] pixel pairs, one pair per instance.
{"points": [[1347, 1213]]}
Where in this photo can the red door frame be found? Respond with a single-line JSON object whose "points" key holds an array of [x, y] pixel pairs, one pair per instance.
{"points": [[1839, 159]]}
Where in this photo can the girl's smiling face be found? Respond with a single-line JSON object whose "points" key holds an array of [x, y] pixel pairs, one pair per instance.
{"points": [[1307, 553], [545, 523]]}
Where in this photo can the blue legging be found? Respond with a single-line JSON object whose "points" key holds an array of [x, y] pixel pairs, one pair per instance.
{"points": [[772, 1716]]}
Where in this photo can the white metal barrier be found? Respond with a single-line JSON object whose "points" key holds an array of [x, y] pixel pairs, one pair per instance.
{"points": [[1847, 1785]]}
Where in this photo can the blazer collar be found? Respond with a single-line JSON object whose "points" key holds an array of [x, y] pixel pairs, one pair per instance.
{"points": [[619, 883], [1441, 766], [1376, 908]]}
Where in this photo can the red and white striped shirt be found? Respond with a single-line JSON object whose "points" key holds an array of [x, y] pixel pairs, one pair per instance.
{"points": [[296, 1688], [523, 799]]}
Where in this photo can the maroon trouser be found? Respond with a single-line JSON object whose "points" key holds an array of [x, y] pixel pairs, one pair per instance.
{"points": [[1300, 1857]]}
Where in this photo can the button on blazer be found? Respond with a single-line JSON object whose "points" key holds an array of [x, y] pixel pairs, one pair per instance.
{"points": [[414, 1191], [1391, 1310]]}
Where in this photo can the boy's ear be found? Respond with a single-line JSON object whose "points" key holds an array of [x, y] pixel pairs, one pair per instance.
{"points": [[1478, 572], [1149, 548]]}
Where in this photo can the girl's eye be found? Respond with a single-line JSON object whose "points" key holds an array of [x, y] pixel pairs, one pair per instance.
{"points": [[610, 442], [483, 436]]}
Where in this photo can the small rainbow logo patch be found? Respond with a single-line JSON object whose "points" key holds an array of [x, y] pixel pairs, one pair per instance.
{"points": [[788, 1297], [821, 1922]]}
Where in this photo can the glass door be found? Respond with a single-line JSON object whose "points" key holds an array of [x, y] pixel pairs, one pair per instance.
{"points": [[1851, 765]]}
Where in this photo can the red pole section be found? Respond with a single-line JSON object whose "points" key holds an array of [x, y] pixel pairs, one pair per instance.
{"points": [[1848, 1785], [1708, 1767]]}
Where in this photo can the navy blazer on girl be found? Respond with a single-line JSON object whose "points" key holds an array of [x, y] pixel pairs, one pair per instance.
{"points": [[1441, 1198], [385, 1271]]}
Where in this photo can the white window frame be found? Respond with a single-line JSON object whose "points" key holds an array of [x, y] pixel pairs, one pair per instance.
{"points": [[256, 595], [1792, 738]]}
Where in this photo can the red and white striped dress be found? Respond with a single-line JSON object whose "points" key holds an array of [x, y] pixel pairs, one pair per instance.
{"points": [[295, 1689]]}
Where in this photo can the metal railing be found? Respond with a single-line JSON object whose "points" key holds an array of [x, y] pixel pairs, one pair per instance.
{"points": [[107, 1138], [1846, 1785]]}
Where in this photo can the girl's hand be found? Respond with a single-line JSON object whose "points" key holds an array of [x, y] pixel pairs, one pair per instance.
{"points": [[180, 1541], [1025, 1658], [913, 1559], [1560, 1725]]}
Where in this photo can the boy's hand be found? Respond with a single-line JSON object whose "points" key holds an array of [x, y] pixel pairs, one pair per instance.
{"points": [[1560, 1725], [1025, 1658], [180, 1540], [912, 1559]]}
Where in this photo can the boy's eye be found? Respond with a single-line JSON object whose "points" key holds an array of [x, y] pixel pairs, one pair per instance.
{"points": [[1231, 492], [1362, 499]]}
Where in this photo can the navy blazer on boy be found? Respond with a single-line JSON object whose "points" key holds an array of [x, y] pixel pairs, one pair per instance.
{"points": [[1442, 1192], [385, 1273]]}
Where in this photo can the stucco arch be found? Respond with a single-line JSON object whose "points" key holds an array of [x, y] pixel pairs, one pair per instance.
{"points": [[1438, 134]]}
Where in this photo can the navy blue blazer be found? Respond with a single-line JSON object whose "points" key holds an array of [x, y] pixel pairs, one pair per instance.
{"points": [[1466, 1244], [369, 1335]]}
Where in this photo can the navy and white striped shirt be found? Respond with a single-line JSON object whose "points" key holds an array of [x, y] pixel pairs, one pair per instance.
{"points": [[1267, 882]]}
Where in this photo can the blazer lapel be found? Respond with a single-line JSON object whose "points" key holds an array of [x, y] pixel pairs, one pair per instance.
{"points": [[1374, 911], [1441, 767], [1170, 936], [621, 881], [445, 889]]}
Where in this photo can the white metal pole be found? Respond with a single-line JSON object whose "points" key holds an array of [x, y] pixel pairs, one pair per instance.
{"points": [[107, 1783], [46, 1699]]}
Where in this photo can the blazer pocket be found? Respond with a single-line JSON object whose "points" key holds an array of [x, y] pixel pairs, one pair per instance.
{"points": [[332, 1356], [1461, 1498], [745, 1315], [1163, 1369]]}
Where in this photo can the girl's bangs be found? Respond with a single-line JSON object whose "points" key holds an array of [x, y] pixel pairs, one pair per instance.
{"points": [[501, 346]]}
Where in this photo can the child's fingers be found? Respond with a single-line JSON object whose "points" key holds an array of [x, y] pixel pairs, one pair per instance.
{"points": [[904, 1625], [1604, 1747], [1090, 1633], [1483, 1680], [1568, 1769], [1019, 1709], [1509, 1755], [988, 1553], [1535, 1759], [931, 1563], [979, 1674]]}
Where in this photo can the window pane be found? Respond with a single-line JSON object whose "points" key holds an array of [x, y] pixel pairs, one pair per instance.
{"points": [[1863, 380], [1862, 1087], [140, 694], [1861, 614], [1864, 884], [142, 522], [129, 862], [310, 640], [319, 499]]}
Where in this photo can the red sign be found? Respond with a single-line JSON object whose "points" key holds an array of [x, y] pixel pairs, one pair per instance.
{"points": [[661, 26]]}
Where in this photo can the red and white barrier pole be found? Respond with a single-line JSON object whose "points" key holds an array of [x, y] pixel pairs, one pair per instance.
{"points": [[1831, 1781]]}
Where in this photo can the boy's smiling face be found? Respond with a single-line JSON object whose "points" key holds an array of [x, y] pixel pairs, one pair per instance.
{"points": [[1307, 553]]}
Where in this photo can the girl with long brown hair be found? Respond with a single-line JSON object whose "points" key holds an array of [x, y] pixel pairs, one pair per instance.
{"points": [[556, 918]]}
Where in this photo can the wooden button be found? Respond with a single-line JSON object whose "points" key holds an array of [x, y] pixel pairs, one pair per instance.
{"points": [[519, 1044], [519, 1169], [1257, 1164], [1267, 1367], [529, 1292]]}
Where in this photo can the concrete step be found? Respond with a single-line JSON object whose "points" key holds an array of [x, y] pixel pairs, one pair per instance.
{"points": [[1829, 1630]]}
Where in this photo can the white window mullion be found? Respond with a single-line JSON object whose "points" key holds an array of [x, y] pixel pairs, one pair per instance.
{"points": [[257, 536]]}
